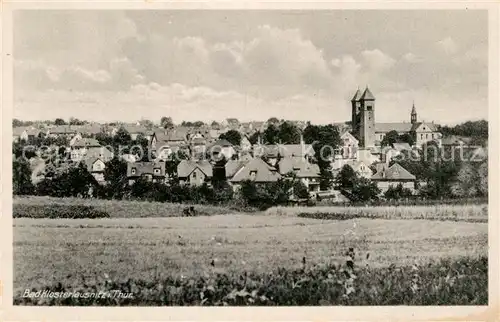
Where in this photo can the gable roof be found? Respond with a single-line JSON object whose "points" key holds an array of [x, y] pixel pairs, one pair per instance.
{"points": [[145, 168], [348, 134], [295, 150], [89, 162], [431, 126], [169, 136], [454, 140], [300, 167], [356, 165], [356, 96], [398, 127], [86, 142], [62, 129], [101, 152], [232, 166], [394, 172], [263, 172], [367, 95], [186, 167]]}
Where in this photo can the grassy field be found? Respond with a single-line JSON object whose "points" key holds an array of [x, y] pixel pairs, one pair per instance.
{"points": [[50, 250], [468, 213], [122, 208], [146, 244]]}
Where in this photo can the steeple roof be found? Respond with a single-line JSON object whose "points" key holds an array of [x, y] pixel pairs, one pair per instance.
{"points": [[413, 109], [356, 96], [367, 95]]}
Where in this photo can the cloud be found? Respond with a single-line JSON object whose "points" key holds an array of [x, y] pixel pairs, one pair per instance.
{"points": [[412, 58], [120, 75], [377, 61], [448, 46]]}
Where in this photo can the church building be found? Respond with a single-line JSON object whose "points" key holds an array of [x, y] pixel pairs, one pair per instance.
{"points": [[370, 133]]}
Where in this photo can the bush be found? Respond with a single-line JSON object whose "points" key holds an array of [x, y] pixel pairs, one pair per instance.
{"points": [[57, 211]]}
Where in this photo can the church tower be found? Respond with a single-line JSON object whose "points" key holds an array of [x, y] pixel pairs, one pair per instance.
{"points": [[413, 114], [355, 105], [367, 119]]}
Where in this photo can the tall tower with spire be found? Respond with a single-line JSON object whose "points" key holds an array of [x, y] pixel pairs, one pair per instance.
{"points": [[355, 105], [413, 114], [366, 132]]}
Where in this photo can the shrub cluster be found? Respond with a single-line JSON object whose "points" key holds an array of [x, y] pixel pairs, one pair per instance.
{"points": [[57, 211]]}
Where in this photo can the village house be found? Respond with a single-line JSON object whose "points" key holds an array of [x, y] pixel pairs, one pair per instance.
{"points": [[257, 171], [150, 171], [245, 145], [25, 133], [96, 167], [361, 168], [194, 173], [61, 131], [221, 148], [164, 143], [80, 148], [303, 170], [394, 175], [233, 166]]}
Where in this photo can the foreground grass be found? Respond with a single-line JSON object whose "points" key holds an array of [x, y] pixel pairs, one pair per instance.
{"points": [[458, 282], [23, 206], [50, 250], [468, 213]]}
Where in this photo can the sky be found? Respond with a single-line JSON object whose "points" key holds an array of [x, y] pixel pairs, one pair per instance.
{"points": [[114, 65]]}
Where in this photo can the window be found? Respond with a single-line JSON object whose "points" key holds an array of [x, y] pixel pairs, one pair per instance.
{"points": [[421, 136], [156, 171], [134, 171], [369, 108], [194, 174]]}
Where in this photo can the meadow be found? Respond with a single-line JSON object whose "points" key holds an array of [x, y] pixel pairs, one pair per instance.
{"points": [[166, 247]]}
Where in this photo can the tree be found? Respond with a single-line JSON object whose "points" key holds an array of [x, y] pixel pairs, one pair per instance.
{"points": [[21, 177], [325, 140], [482, 173], [289, 133], [143, 142], [122, 138], [104, 139], [17, 123], [59, 121], [167, 122], [365, 190], [273, 120], [300, 190], [115, 175], [271, 134], [232, 136], [390, 138], [215, 124], [407, 138], [346, 178], [148, 124], [219, 172], [398, 192], [254, 138], [173, 161], [75, 121]]}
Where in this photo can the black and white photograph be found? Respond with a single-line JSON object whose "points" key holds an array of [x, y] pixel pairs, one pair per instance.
{"points": [[228, 158]]}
